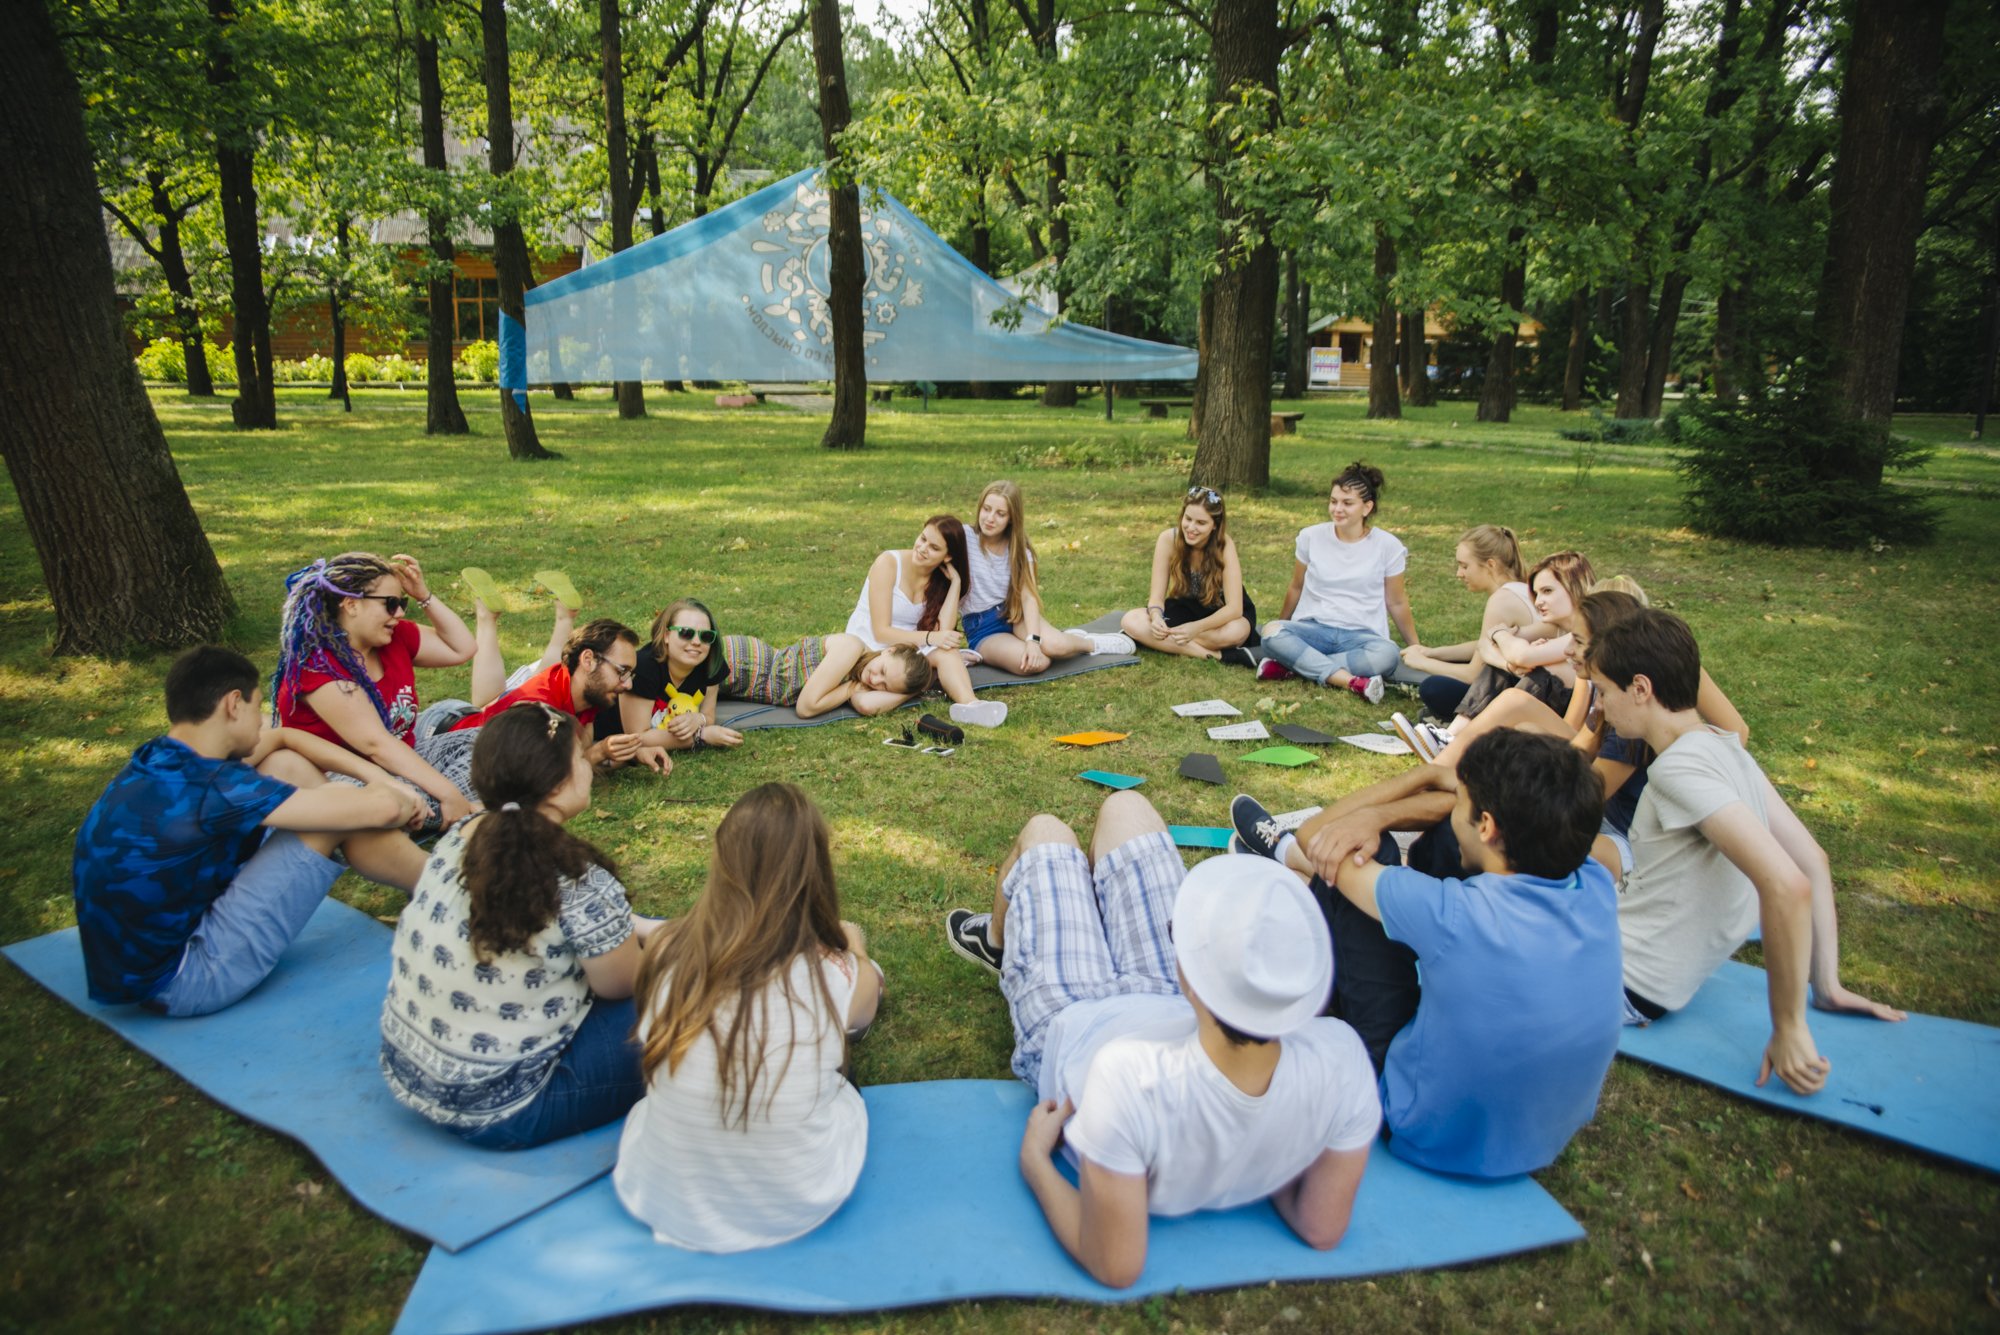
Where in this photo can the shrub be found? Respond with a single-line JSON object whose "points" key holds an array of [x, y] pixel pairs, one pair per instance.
{"points": [[163, 359], [479, 361], [361, 368], [1787, 469], [396, 367]]}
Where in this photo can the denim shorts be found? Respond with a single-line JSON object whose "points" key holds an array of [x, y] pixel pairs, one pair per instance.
{"points": [[980, 625], [248, 927]]}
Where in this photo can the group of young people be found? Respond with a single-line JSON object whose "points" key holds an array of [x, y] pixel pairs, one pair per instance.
{"points": [[1591, 839]]}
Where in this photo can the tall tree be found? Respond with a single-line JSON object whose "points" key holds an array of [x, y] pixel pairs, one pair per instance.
{"points": [[631, 394], [846, 272], [443, 415], [510, 243], [236, 135], [1496, 391], [120, 546]]}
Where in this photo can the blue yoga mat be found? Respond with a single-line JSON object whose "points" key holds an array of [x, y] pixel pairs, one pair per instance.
{"points": [[299, 1055], [1928, 1082], [941, 1214]]}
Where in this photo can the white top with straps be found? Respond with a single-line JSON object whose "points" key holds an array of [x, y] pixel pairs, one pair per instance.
{"points": [[903, 613]]}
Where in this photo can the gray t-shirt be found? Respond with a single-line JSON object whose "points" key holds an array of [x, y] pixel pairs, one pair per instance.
{"points": [[1685, 907]]}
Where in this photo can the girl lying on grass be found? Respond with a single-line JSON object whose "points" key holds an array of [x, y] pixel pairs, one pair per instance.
{"points": [[911, 598], [821, 673], [681, 674], [507, 1019], [749, 1134]]}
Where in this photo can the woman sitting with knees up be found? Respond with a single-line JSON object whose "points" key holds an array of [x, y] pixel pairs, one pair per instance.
{"points": [[508, 1021], [347, 660], [680, 676], [1487, 561], [1196, 605], [1002, 607], [911, 598], [1347, 585], [750, 1134], [821, 673]]}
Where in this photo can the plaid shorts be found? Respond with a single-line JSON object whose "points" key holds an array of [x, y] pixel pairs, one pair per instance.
{"points": [[1073, 937]]}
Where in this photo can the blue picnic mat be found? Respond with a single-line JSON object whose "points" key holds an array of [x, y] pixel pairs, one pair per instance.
{"points": [[299, 1055], [1928, 1082], [941, 1214]]}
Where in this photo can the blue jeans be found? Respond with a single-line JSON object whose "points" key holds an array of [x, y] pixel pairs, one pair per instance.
{"points": [[1316, 650], [596, 1082], [248, 927]]}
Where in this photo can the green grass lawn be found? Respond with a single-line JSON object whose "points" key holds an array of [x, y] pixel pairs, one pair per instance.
{"points": [[136, 1203]]}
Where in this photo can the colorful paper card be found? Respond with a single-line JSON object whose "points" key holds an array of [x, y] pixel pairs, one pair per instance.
{"points": [[1095, 738], [1201, 765], [1110, 780], [1292, 732], [1280, 755], [1199, 836]]}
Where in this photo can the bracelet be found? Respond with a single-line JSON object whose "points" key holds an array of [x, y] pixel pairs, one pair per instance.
{"points": [[1155, 607], [426, 602]]}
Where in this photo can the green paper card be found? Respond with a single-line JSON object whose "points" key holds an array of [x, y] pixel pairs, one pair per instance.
{"points": [[1199, 836], [1280, 755], [1110, 780]]}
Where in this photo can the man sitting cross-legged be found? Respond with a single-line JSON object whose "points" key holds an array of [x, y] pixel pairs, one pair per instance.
{"points": [[1493, 1057], [1180, 1061], [1715, 850], [208, 852]]}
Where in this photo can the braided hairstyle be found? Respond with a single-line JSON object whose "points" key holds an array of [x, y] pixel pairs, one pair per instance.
{"points": [[309, 633]]}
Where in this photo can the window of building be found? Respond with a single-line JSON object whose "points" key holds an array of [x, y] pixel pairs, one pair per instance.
{"points": [[477, 305], [1350, 349]]}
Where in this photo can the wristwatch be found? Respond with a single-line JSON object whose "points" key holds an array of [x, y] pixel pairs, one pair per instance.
{"points": [[1034, 639]]}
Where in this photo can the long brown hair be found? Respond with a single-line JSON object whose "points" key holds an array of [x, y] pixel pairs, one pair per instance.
{"points": [[770, 899], [953, 534], [1199, 567], [918, 672], [1020, 552], [516, 857], [1572, 571]]}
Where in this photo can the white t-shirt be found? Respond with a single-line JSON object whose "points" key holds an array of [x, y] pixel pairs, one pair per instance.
{"points": [[1148, 1100], [1344, 579], [1684, 907], [990, 577], [713, 1188]]}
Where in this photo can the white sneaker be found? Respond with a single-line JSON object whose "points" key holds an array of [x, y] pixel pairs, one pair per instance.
{"points": [[1112, 642], [1413, 737], [980, 713]]}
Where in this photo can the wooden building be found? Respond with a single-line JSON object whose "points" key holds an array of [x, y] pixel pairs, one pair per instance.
{"points": [[1354, 335]]}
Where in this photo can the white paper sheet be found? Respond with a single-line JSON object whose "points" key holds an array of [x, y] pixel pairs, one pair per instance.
{"points": [[1206, 709], [1253, 731], [1380, 745]]}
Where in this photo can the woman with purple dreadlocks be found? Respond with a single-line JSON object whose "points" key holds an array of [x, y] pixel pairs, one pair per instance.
{"points": [[347, 663]]}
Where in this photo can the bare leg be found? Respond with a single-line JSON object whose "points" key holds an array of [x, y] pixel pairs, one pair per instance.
{"points": [[1512, 708], [386, 857], [489, 669], [953, 676], [1060, 643], [565, 622], [1040, 829], [1441, 667], [1123, 818], [1009, 652], [1140, 627], [1227, 635]]}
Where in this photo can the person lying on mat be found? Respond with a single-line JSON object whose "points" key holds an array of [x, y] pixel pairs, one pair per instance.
{"points": [[1487, 560], [1167, 1020], [821, 673], [911, 597], [508, 1020], [208, 852], [1002, 604], [1491, 1057], [347, 659], [680, 675], [1196, 605], [1715, 852], [1347, 585], [595, 667], [750, 1134]]}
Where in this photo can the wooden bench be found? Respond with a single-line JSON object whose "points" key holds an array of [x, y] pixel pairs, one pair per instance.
{"points": [[1158, 407], [735, 400], [1285, 424]]}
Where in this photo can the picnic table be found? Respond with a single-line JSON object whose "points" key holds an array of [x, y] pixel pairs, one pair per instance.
{"points": [[1285, 424]]}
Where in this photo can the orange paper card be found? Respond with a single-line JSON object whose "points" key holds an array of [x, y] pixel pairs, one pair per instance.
{"points": [[1092, 738]]}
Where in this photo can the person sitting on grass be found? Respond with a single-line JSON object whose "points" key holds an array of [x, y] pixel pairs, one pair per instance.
{"points": [[347, 660], [508, 1020], [1001, 608], [1715, 852], [750, 1133], [911, 598], [1487, 560], [1168, 1022], [1196, 605], [1347, 584], [1490, 1003], [821, 673], [680, 676], [208, 852]]}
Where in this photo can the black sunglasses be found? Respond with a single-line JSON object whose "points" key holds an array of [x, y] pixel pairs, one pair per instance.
{"points": [[690, 633], [392, 603]]}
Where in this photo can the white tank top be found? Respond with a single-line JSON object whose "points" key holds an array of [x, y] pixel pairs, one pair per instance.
{"points": [[1521, 591], [903, 614]]}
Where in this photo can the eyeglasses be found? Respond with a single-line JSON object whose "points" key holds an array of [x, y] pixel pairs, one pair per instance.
{"points": [[1207, 494], [624, 673], [690, 633], [392, 603]]}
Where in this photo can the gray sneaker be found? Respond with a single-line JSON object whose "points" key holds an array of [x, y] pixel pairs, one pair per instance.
{"points": [[967, 933]]}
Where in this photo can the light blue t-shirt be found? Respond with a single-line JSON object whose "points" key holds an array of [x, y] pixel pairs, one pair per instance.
{"points": [[1522, 992]]}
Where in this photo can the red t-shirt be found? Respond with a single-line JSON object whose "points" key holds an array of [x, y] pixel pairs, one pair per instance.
{"points": [[550, 686], [397, 684]]}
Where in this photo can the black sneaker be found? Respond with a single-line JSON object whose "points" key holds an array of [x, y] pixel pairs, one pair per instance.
{"points": [[1238, 656], [967, 932], [1256, 829]]}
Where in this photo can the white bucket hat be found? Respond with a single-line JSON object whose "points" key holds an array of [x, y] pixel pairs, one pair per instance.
{"points": [[1253, 945]]}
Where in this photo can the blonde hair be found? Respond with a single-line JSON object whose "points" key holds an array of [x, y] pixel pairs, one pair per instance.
{"points": [[770, 899], [1492, 542], [1020, 552], [918, 673], [1622, 584]]}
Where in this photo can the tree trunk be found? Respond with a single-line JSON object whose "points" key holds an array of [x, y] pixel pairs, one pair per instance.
{"points": [[1891, 108], [1577, 357], [1418, 391], [336, 310], [1383, 398], [846, 272], [1235, 448], [1496, 394], [1634, 332], [982, 260], [510, 244], [121, 549], [631, 394], [442, 414], [1986, 363], [1058, 393], [1204, 345], [256, 405], [1727, 384], [1298, 355], [1660, 351], [173, 267]]}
